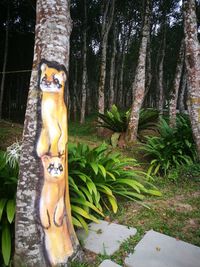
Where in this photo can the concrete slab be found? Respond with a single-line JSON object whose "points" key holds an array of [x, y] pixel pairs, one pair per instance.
{"points": [[109, 263], [159, 250], [105, 238]]}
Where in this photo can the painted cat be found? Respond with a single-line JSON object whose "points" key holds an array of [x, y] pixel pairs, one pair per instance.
{"points": [[53, 136], [57, 241]]}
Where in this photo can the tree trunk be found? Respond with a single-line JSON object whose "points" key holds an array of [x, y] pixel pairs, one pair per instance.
{"points": [[176, 85], [160, 69], [106, 24], [84, 77], [4, 63], [193, 68], [44, 234], [139, 81], [181, 101], [112, 70], [121, 78]]}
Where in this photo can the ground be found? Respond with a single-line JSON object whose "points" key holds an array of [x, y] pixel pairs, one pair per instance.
{"points": [[176, 213]]}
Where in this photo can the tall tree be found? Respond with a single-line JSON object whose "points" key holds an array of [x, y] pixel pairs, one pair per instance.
{"points": [[107, 19], [44, 231], [84, 75], [193, 67], [161, 65], [138, 86], [176, 85], [112, 68]]}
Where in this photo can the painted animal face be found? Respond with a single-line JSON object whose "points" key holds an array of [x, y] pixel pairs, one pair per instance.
{"points": [[53, 167], [51, 79]]}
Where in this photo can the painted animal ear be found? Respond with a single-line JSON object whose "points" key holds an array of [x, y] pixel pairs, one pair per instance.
{"points": [[43, 67], [45, 158], [64, 75]]}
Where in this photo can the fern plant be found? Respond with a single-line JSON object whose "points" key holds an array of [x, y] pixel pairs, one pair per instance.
{"points": [[172, 148], [114, 120], [117, 121], [97, 176]]}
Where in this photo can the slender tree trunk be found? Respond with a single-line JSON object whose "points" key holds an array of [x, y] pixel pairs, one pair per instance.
{"points": [[121, 79], [193, 68], [148, 72], [181, 101], [4, 63], [139, 81], [176, 85], [160, 70], [106, 24], [84, 77], [112, 69], [44, 236], [75, 93]]}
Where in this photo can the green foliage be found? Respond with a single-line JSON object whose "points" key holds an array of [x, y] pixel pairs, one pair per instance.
{"points": [[97, 177], [8, 185], [117, 121], [114, 120], [148, 119], [172, 148], [186, 172]]}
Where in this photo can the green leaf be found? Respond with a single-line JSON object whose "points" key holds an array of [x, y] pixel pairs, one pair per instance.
{"points": [[10, 210], [103, 170], [6, 244], [2, 205], [111, 175], [76, 222], [80, 211], [94, 167], [86, 203], [113, 203], [82, 222], [154, 192]]}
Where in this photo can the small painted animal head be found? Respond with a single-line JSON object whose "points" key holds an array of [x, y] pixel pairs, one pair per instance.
{"points": [[53, 167], [51, 79]]}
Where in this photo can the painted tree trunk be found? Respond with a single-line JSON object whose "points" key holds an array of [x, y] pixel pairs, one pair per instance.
{"points": [[106, 24], [193, 68], [176, 85], [4, 63], [139, 81], [112, 70], [84, 77], [44, 233]]}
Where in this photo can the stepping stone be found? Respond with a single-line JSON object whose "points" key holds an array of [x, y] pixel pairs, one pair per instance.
{"points": [[109, 263], [105, 238], [159, 250]]}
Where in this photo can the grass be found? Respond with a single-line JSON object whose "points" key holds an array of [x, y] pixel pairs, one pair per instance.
{"points": [[176, 213]]}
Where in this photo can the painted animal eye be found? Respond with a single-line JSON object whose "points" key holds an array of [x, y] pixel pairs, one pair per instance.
{"points": [[44, 78], [60, 168], [56, 81]]}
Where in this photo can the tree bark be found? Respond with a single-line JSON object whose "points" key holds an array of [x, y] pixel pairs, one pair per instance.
{"points": [[112, 69], [84, 77], [52, 34], [160, 68], [4, 63], [106, 24], [176, 85], [181, 101], [193, 68], [139, 81]]}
